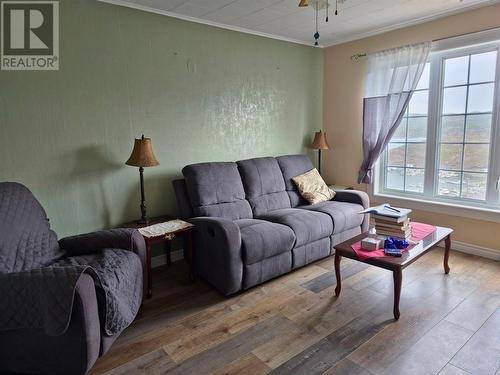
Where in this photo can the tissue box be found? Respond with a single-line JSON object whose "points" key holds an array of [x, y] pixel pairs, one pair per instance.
{"points": [[371, 244]]}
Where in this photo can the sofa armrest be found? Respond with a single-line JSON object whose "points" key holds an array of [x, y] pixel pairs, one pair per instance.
{"points": [[352, 196], [118, 238], [74, 352], [358, 197], [218, 253]]}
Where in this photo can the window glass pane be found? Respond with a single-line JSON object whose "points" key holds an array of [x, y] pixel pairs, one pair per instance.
{"points": [[449, 183], [451, 156], [423, 83], [400, 133], [454, 100], [480, 98], [456, 71], [452, 128], [418, 103], [474, 185], [414, 180], [396, 155], [395, 178], [482, 67], [476, 157], [478, 128], [415, 157], [417, 129]]}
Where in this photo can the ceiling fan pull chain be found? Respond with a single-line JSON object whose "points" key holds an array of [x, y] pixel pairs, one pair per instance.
{"points": [[316, 34], [327, 10], [336, 7]]}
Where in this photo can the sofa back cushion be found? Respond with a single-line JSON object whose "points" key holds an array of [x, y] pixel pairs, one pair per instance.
{"points": [[26, 240], [291, 166], [264, 185], [215, 189]]}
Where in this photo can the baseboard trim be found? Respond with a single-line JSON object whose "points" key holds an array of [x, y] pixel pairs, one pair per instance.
{"points": [[463, 247], [161, 260], [468, 248]]}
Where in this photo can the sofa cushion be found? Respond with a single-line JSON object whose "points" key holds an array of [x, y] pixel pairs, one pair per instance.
{"points": [[344, 215], [307, 225], [215, 189], [291, 166], [266, 269], [264, 185], [311, 252], [262, 239]]}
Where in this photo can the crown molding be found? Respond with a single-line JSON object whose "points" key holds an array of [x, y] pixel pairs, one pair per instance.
{"points": [[144, 8], [405, 24], [350, 38]]}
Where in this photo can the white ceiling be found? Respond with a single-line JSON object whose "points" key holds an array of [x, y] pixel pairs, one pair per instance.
{"points": [[283, 19]]}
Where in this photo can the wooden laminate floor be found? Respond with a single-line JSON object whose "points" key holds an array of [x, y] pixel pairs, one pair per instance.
{"points": [[295, 325]]}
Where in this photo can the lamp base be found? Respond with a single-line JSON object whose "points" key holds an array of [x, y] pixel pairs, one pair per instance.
{"points": [[143, 220]]}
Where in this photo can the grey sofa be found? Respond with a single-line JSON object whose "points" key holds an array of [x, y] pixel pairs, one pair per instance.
{"points": [[38, 274], [252, 225]]}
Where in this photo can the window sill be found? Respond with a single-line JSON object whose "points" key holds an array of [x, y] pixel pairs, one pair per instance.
{"points": [[445, 208]]}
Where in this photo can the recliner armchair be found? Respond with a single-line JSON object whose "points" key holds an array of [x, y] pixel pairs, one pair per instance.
{"points": [[28, 248]]}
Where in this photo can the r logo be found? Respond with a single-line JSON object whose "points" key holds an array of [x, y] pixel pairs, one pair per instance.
{"points": [[30, 35]]}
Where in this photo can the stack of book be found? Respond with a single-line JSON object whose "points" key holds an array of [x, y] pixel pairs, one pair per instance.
{"points": [[392, 227], [390, 221]]}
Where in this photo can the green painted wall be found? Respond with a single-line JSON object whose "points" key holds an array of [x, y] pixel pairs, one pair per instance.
{"points": [[201, 94]]}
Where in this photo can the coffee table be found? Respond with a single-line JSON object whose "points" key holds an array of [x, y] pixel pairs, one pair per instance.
{"points": [[396, 265]]}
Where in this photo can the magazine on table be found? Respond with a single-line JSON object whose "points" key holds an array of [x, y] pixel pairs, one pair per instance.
{"points": [[387, 210]]}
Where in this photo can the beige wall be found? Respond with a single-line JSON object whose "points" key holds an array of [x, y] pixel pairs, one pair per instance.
{"points": [[343, 109]]}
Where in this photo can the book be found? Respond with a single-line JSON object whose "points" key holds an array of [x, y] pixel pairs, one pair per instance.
{"points": [[386, 212], [392, 219], [379, 221], [404, 224], [402, 235]]}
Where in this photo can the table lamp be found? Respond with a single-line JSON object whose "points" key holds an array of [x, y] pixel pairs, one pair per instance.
{"points": [[142, 156], [320, 143]]}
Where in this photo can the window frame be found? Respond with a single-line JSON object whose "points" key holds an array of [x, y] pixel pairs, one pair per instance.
{"points": [[446, 49]]}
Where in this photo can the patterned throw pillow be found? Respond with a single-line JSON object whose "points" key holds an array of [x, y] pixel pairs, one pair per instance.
{"points": [[312, 187]]}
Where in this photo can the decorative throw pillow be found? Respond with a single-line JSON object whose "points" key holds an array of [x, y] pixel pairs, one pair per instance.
{"points": [[312, 187]]}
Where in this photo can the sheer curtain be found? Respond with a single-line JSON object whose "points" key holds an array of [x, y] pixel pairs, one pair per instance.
{"points": [[391, 79]]}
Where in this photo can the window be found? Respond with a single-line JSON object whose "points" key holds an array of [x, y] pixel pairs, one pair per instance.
{"points": [[445, 147], [405, 168]]}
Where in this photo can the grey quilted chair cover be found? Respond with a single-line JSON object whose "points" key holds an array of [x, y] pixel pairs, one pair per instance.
{"points": [[38, 278]]}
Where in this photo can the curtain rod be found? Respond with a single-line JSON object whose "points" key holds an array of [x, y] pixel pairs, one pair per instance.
{"points": [[358, 56]]}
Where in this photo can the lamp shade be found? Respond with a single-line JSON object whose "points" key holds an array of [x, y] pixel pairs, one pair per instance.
{"points": [[320, 142], [142, 154]]}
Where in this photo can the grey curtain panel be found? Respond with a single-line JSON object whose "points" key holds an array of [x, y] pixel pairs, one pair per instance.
{"points": [[391, 79]]}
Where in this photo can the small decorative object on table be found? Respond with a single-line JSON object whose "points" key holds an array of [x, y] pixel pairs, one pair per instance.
{"points": [[142, 156], [164, 229], [371, 244]]}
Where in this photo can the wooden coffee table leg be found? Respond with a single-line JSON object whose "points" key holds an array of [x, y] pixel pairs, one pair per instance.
{"points": [[447, 244], [397, 275], [337, 274]]}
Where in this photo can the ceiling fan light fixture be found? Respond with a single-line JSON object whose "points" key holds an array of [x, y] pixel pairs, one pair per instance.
{"points": [[317, 5]]}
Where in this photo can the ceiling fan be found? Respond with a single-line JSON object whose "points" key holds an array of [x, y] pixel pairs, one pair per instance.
{"points": [[318, 5]]}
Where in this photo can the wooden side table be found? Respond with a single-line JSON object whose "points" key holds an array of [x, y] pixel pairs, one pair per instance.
{"points": [[166, 238], [340, 187]]}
